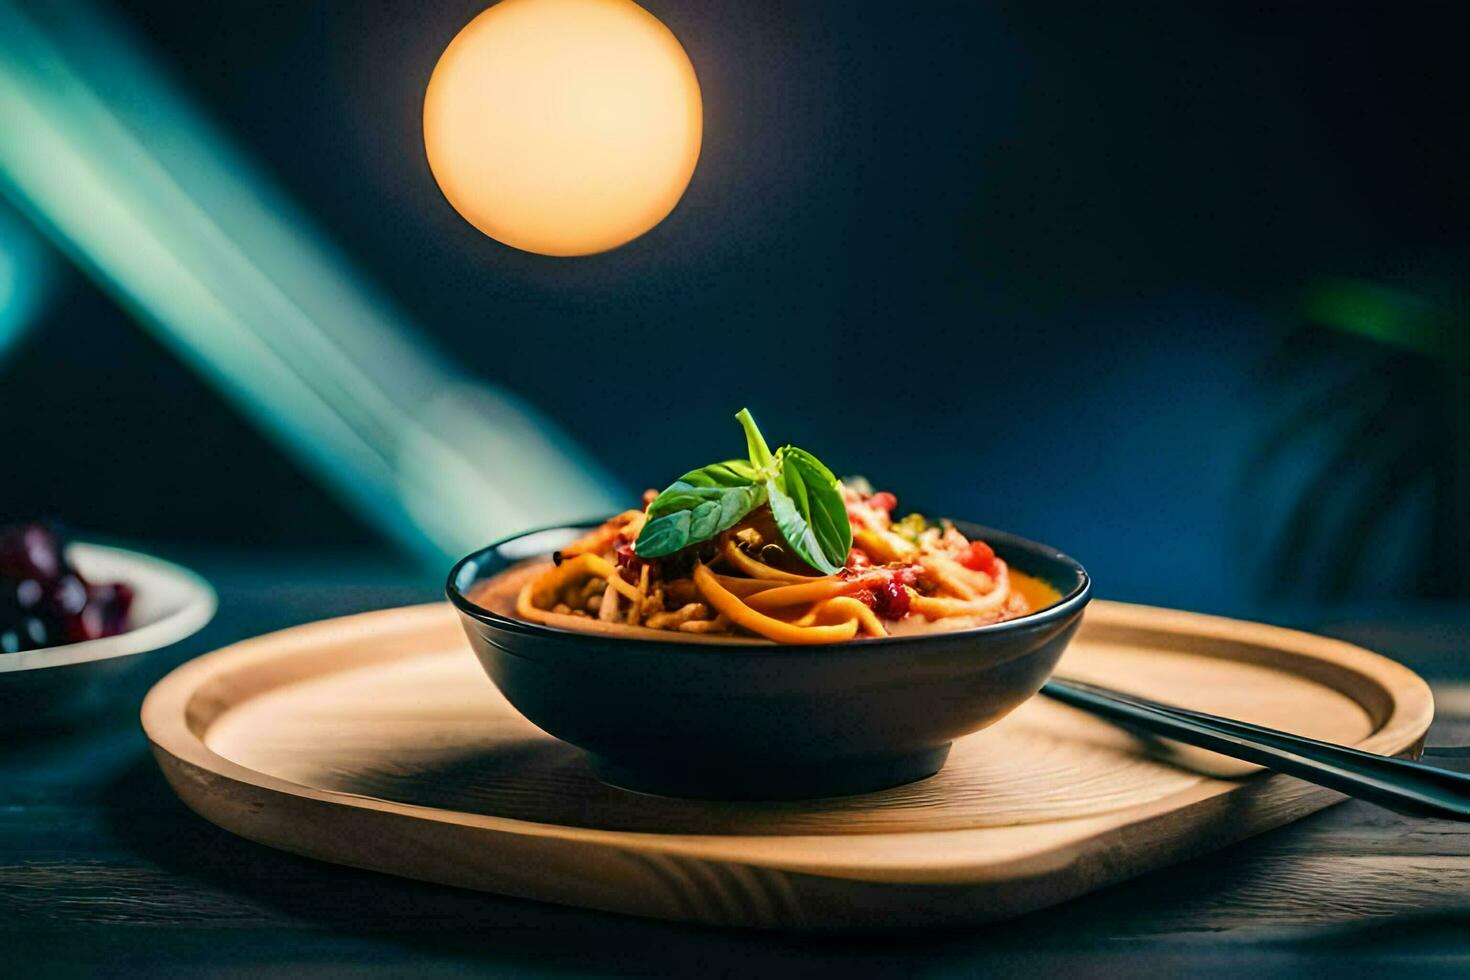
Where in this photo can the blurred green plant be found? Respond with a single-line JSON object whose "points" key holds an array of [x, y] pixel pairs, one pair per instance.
{"points": [[1393, 317], [1380, 379]]}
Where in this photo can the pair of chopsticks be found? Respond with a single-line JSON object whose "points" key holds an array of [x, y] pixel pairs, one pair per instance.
{"points": [[1398, 784]]}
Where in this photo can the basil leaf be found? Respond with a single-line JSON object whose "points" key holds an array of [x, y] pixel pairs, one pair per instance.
{"points": [[755, 443], [803, 494], [809, 511], [828, 518], [699, 505]]}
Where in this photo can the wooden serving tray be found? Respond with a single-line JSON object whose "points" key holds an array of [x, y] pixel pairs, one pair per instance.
{"points": [[376, 741]]}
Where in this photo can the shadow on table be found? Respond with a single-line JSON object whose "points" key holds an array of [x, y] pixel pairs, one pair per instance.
{"points": [[236, 878]]}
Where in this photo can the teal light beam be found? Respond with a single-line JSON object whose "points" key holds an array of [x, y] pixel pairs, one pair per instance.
{"points": [[26, 271], [110, 160]]}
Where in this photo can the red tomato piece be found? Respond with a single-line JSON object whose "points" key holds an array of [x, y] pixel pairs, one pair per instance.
{"points": [[980, 558], [883, 501]]}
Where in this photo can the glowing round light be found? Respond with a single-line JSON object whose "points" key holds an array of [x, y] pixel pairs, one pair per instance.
{"points": [[564, 127]]}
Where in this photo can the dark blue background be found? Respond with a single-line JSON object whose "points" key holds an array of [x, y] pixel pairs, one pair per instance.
{"points": [[1022, 263]]}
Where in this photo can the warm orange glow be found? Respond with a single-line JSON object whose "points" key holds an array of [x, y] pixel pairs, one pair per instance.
{"points": [[564, 127]]}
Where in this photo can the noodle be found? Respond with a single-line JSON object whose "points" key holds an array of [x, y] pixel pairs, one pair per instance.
{"points": [[603, 568], [842, 607], [747, 586], [951, 575], [812, 591], [910, 569], [772, 629], [640, 596], [758, 569], [939, 607]]}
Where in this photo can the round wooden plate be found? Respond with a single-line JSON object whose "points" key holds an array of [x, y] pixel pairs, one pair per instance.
{"points": [[376, 741]]}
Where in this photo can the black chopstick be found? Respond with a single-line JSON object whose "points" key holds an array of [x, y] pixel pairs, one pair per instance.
{"points": [[1397, 784]]}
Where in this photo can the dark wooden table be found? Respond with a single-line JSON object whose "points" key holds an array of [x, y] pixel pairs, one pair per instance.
{"points": [[103, 872]]}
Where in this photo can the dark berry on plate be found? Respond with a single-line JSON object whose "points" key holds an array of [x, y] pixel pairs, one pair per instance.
{"points": [[34, 631], [28, 592], [45, 602], [107, 609], [30, 551]]}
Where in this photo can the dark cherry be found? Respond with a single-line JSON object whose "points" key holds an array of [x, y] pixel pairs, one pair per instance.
{"points": [[891, 599], [29, 592], [45, 602], [30, 551], [66, 596], [24, 633], [111, 603]]}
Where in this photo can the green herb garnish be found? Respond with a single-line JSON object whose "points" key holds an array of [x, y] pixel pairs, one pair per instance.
{"points": [[699, 505], [804, 497]]}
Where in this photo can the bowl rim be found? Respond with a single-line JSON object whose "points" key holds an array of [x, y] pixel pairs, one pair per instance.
{"points": [[195, 611], [1070, 603]]}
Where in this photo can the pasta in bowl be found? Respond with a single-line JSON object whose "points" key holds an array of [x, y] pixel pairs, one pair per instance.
{"points": [[733, 639]]}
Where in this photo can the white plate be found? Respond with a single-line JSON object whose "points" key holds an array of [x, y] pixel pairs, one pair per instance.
{"points": [[169, 604]]}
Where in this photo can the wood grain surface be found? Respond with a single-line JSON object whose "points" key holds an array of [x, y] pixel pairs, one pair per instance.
{"points": [[376, 742]]}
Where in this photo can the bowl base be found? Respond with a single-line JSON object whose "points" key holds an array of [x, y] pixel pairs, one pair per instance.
{"points": [[713, 781]]}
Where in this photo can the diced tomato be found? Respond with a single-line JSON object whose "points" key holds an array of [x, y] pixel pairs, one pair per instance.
{"points": [[980, 558], [883, 501], [857, 558]]}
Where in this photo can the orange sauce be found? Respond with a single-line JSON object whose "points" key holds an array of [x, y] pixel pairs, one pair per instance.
{"points": [[1038, 594]]}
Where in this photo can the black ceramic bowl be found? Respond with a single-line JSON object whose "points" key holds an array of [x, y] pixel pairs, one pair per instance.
{"points": [[761, 721]]}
